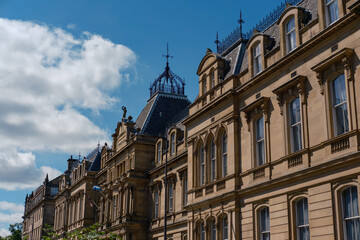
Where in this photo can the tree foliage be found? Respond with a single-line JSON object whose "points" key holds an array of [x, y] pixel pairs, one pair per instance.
{"points": [[15, 230], [80, 234]]}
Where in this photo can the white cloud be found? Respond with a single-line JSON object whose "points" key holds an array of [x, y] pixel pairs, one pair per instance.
{"points": [[46, 78], [13, 207], [71, 26], [4, 232]]}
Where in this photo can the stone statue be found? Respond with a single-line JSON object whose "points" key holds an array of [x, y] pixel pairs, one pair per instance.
{"points": [[124, 109]]}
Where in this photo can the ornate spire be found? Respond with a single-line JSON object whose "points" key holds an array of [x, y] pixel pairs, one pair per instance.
{"points": [[217, 42], [168, 81]]}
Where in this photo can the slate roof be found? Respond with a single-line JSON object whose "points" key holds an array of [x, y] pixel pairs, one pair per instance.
{"points": [[159, 113], [95, 165], [237, 58]]}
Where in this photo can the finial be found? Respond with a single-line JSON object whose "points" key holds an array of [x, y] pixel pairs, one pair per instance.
{"points": [[79, 156], [241, 22], [167, 56], [217, 41], [98, 146], [125, 111]]}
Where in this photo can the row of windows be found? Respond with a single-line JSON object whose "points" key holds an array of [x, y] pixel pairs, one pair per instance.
{"points": [[349, 216], [331, 15], [211, 231], [170, 197], [339, 117], [208, 169]]}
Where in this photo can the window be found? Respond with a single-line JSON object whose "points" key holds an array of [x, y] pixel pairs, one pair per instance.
{"points": [[331, 11], [260, 142], [185, 189], [225, 229], [224, 154], [171, 197], [290, 35], [114, 208], [264, 224], [257, 59], [212, 79], [172, 144], [156, 203], [302, 219], [339, 103], [159, 152], [202, 231], [212, 230], [350, 213], [204, 85], [295, 125], [213, 161], [202, 165]]}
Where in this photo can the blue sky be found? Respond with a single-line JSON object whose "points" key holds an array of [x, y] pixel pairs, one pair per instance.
{"points": [[67, 67]]}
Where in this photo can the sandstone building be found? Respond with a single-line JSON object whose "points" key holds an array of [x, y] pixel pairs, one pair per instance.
{"points": [[269, 149]]}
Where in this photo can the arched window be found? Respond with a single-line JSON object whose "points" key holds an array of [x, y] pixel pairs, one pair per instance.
{"points": [[224, 154], [202, 165], [225, 228], [202, 231], [331, 11], [350, 213], [260, 141], [290, 35], [173, 144], [159, 152], [295, 125], [339, 103], [257, 59], [212, 161], [302, 219], [212, 75], [264, 223], [212, 230]]}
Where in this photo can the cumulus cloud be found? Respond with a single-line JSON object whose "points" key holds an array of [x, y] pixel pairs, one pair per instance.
{"points": [[4, 232], [47, 76]]}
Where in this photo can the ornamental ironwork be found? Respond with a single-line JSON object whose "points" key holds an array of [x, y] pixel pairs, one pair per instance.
{"points": [[266, 22], [168, 81]]}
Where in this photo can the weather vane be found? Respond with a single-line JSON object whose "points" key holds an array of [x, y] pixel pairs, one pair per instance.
{"points": [[167, 56], [241, 22]]}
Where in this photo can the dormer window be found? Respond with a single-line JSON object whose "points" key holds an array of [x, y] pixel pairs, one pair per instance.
{"points": [[290, 35], [173, 144], [204, 85], [331, 11], [159, 152], [212, 75], [257, 59]]}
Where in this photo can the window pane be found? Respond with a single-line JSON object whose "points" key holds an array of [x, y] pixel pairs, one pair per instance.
{"points": [[351, 213], [340, 112], [290, 25], [295, 111], [260, 129], [224, 154]]}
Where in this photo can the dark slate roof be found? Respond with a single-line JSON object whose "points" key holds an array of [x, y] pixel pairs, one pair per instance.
{"points": [[159, 112], [95, 165], [238, 57]]}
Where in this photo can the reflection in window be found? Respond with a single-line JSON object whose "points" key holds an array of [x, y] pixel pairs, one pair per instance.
{"points": [[212, 161], [159, 152], [295, 125], [172, 143], [331, 11], [156, 203], [202, 231], [264, 224], [290, 35], [202, 165], [225, 229], [257, 59], [351, 218], [171, 197], [224, 154], [212, 230], [302, 219], [340, 112], [260, 141]]}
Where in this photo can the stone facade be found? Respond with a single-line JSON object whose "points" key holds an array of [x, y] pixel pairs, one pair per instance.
{"points": [[268, 149]]}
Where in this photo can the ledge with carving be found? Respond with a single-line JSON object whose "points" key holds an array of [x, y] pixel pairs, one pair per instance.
{"points": [[216, 185]]}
